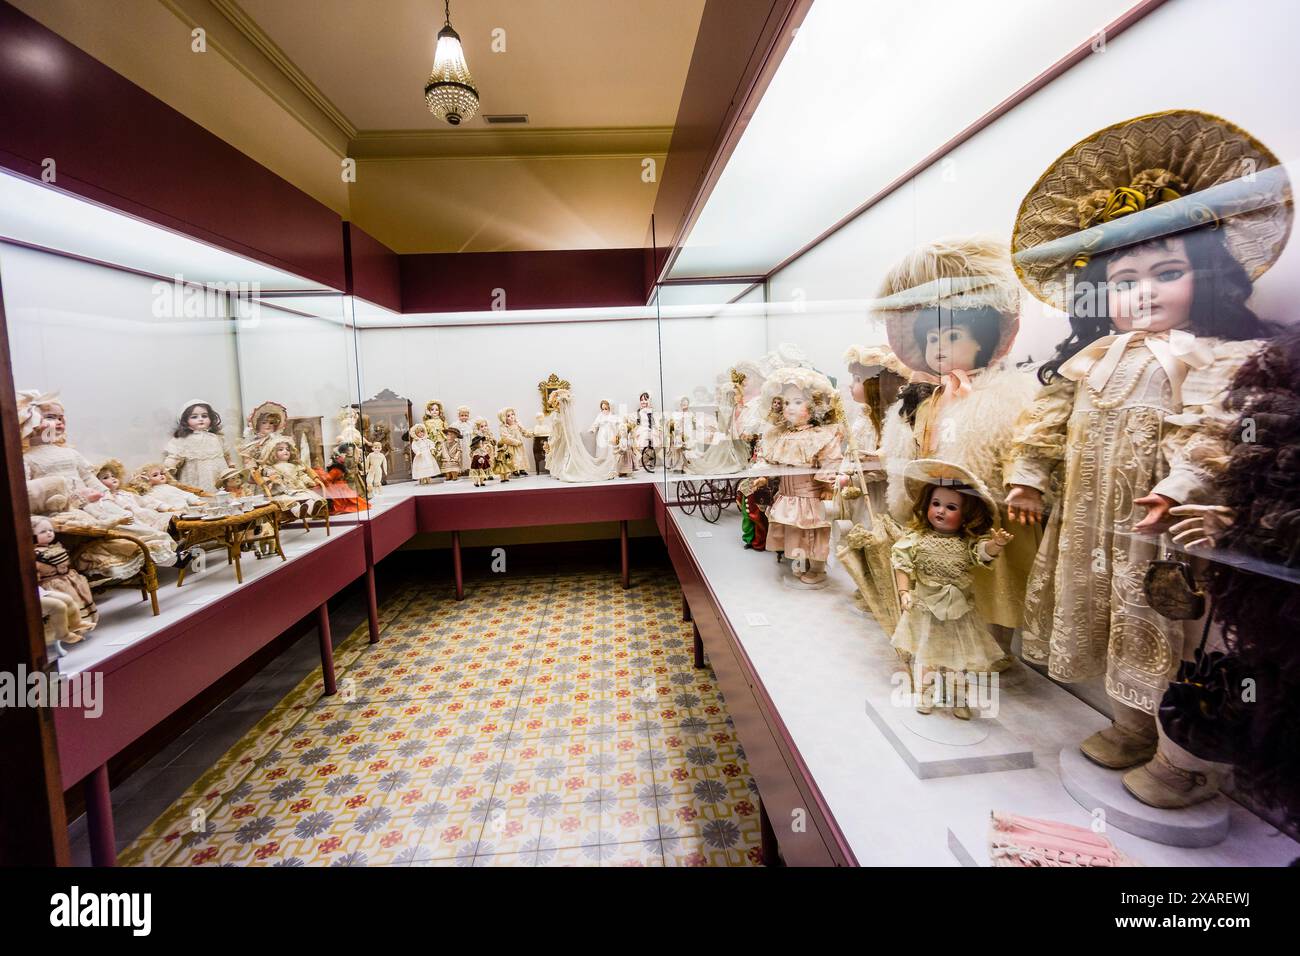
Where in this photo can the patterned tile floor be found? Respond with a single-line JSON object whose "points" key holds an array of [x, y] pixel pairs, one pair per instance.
{"points": [[546, 720]]}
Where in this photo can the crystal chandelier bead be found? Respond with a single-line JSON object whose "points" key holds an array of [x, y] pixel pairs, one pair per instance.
{"points": [[450, 93]]}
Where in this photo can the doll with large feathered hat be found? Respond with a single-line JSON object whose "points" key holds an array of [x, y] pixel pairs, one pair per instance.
{"points": [[1149, 233]]}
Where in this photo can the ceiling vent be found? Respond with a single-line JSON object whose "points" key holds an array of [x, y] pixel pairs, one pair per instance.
{"points": [[505, 119]]}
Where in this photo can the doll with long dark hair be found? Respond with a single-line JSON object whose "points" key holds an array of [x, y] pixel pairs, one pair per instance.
{"points": [[951, 309], [1150, 233], [1255, 525], [196, 453]]}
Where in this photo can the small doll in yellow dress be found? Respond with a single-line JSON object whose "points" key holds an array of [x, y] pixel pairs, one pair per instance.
{"points": [[510, 447], [952, 531]]}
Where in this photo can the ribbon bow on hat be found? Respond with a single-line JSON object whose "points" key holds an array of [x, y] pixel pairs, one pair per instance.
{"points": [[30, 405], [1176, 351]]}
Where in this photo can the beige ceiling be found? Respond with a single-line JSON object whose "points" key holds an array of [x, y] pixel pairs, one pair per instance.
{"points": [[566, 63], [301, 84]]}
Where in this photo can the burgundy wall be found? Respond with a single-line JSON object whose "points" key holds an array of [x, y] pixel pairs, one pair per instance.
{"points": [[564, 279], [118, 145], [374, 270]]}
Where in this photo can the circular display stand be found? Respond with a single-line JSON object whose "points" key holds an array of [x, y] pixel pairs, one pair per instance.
{"points": [[941, 727], [1094, 786]]}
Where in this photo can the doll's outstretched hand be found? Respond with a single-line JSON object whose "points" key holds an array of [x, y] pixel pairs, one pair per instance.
{"points": [[1157, 517], [999, 538], [905, 600], [1025, 504], [1201, 524]]}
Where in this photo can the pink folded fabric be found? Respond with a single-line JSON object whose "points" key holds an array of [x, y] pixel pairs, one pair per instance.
{"points": [[1026, 841]]}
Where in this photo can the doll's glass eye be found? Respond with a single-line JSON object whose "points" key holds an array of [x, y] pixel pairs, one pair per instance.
{"points": [[1171, 275]]}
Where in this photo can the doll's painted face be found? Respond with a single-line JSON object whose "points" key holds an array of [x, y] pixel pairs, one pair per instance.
{"points": [[796, 409], [42, 533], [510, 417], [951, 348], [199, 418], [644, 401], [52, 429], [234, 485], [685, 404], [156, 476], [604, 406], [861, 375], [283, 452], [419, 432], [1151, 287], [945, 510], [268, 424], [463, 416], [109, 480]]}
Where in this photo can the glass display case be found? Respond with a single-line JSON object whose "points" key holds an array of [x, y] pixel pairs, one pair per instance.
{"points": [[181, 409], [1084, 356]]}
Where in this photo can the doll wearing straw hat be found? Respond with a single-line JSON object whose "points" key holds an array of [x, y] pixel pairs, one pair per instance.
{"points": [[951, 310], [954, 530], [1149, 234]]}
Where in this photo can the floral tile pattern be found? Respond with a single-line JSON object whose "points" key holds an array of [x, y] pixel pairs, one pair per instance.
{"points": [[543, 721]]}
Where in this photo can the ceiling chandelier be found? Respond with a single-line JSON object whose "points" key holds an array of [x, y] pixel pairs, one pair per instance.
{"points": [[450, 93]]}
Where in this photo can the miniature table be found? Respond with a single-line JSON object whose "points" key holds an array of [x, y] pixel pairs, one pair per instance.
{"points": [[229, 530]]}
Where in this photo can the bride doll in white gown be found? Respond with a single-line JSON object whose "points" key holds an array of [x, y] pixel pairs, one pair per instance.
{"points": [[568, 458]]}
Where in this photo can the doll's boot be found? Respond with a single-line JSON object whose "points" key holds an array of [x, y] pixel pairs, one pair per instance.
{"points": [[925, 697], [1129, 740], [815, 573], [1160, 784], [960, 707]]}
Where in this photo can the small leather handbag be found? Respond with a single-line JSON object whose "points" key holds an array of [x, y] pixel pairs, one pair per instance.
{"points": [[1171, 589], [1202, 709]]}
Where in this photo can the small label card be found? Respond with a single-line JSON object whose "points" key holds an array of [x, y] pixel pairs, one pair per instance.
{"points": [[704, 534], [757, 620]]}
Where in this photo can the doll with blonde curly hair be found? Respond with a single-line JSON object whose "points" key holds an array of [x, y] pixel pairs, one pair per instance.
{"points": [[805, 441]]}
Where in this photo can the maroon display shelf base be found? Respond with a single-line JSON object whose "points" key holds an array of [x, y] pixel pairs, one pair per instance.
{"points": [[788, 792], [153, 678], [563, 504]]}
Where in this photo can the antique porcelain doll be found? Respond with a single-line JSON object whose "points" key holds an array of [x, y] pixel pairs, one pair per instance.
{"points": [[951, 532], [685, 428], [376, 468], [60, 481], [343, 480], [157, 490], [453, 452], [465, 426], [144, 522], [624, 445], [54, 572], [1150, 233], [951, 309], [482, 450], [647, 424], [541, 441], [806, 436], [197, 453], [727, 449], [424, 462], [567, 458], [286, 481], [604, 426], [509, 461], [267, 419]]}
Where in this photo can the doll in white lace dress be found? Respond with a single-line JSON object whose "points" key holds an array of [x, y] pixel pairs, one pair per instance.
{"points": [[287, 482], [424, 455], [951, 533], [197, 453]]}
